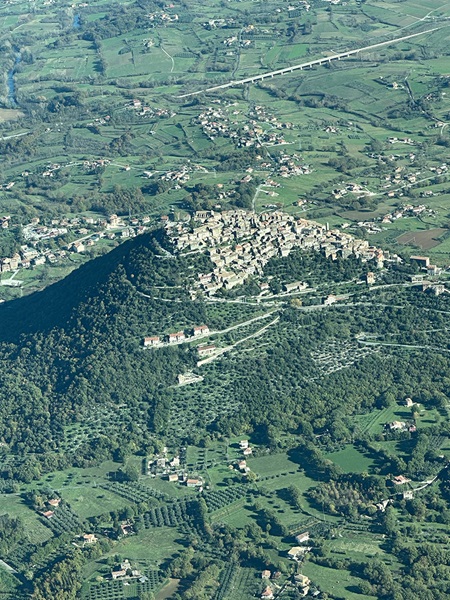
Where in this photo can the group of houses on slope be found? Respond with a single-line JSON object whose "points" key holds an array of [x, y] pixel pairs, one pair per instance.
{"points": [[256, 128], [89, 230], [173, 470], [246, 451], [177, 337], [301, 582]]}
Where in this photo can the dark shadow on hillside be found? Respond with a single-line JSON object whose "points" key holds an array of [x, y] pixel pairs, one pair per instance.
{"points": [[353, 589], [53, 306]]}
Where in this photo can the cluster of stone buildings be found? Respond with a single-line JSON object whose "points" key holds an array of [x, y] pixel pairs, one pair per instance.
{"points": [[426, 266], [300, 582], [162, 18], [246, 451], [217, 122], [34, 232], [91, 230], [126, 571], [401, 426], [219, 23], [241, 243], [180, 176], [351, 188], [53, 503], [404, 178], [143, 110], [172, 470], [288, 166], [30, 257], [407, 210]]}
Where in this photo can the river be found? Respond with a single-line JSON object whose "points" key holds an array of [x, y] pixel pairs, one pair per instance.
{"points": [[10, 81], [10, 78]]}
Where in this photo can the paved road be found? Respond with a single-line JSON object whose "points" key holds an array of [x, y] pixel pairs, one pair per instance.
{"points": [[306, 65], [221, 351], [257, 192]]}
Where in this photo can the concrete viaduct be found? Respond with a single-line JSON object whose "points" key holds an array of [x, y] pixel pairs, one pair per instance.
{"points": [[306, 65]]}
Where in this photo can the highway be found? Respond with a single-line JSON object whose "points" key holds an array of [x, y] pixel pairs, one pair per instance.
{"points": [[306, 65]]}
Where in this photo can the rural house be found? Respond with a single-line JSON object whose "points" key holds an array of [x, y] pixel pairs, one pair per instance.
{"points": [[151, 341], [176, 337], [206, 350], [267, 593], [302, 537], [201, 330]]}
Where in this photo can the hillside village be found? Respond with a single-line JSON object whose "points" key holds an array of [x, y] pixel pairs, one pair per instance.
{"points": [[39, 237], [240, 244]]}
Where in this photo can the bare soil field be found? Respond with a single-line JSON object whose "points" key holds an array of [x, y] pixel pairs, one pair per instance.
{"points": [[422, 239], [9, 114], [168, 589]]}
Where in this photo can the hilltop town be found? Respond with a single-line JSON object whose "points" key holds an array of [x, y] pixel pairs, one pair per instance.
{"points": [[240, 244]]}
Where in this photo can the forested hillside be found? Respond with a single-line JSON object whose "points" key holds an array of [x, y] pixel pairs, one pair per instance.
{"points": [[98, 427], [77, 347], [78, 344]]}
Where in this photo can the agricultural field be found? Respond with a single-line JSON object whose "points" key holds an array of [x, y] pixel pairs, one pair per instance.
{"points": [[83, 89], [313, 444]]}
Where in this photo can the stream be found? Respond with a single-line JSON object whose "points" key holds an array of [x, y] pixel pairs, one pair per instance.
{"points": [[10, 77], [10, 81]]}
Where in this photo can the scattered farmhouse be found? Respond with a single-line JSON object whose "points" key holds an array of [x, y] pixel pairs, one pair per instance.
{"points": [[330, 299], [302, 537], [125, 571], [302, 580], [152, 341], [242, 466], [194, 483], [206, 350], [89, 538], [397, 426], [400, 480], [296, 552]]}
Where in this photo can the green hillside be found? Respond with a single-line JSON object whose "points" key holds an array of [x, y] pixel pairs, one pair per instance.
{"points": [[91, 418]]}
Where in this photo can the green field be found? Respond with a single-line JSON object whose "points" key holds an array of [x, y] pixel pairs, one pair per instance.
{"points": [[134, 64], [351, 460], [339, 583], [105, 109]]}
